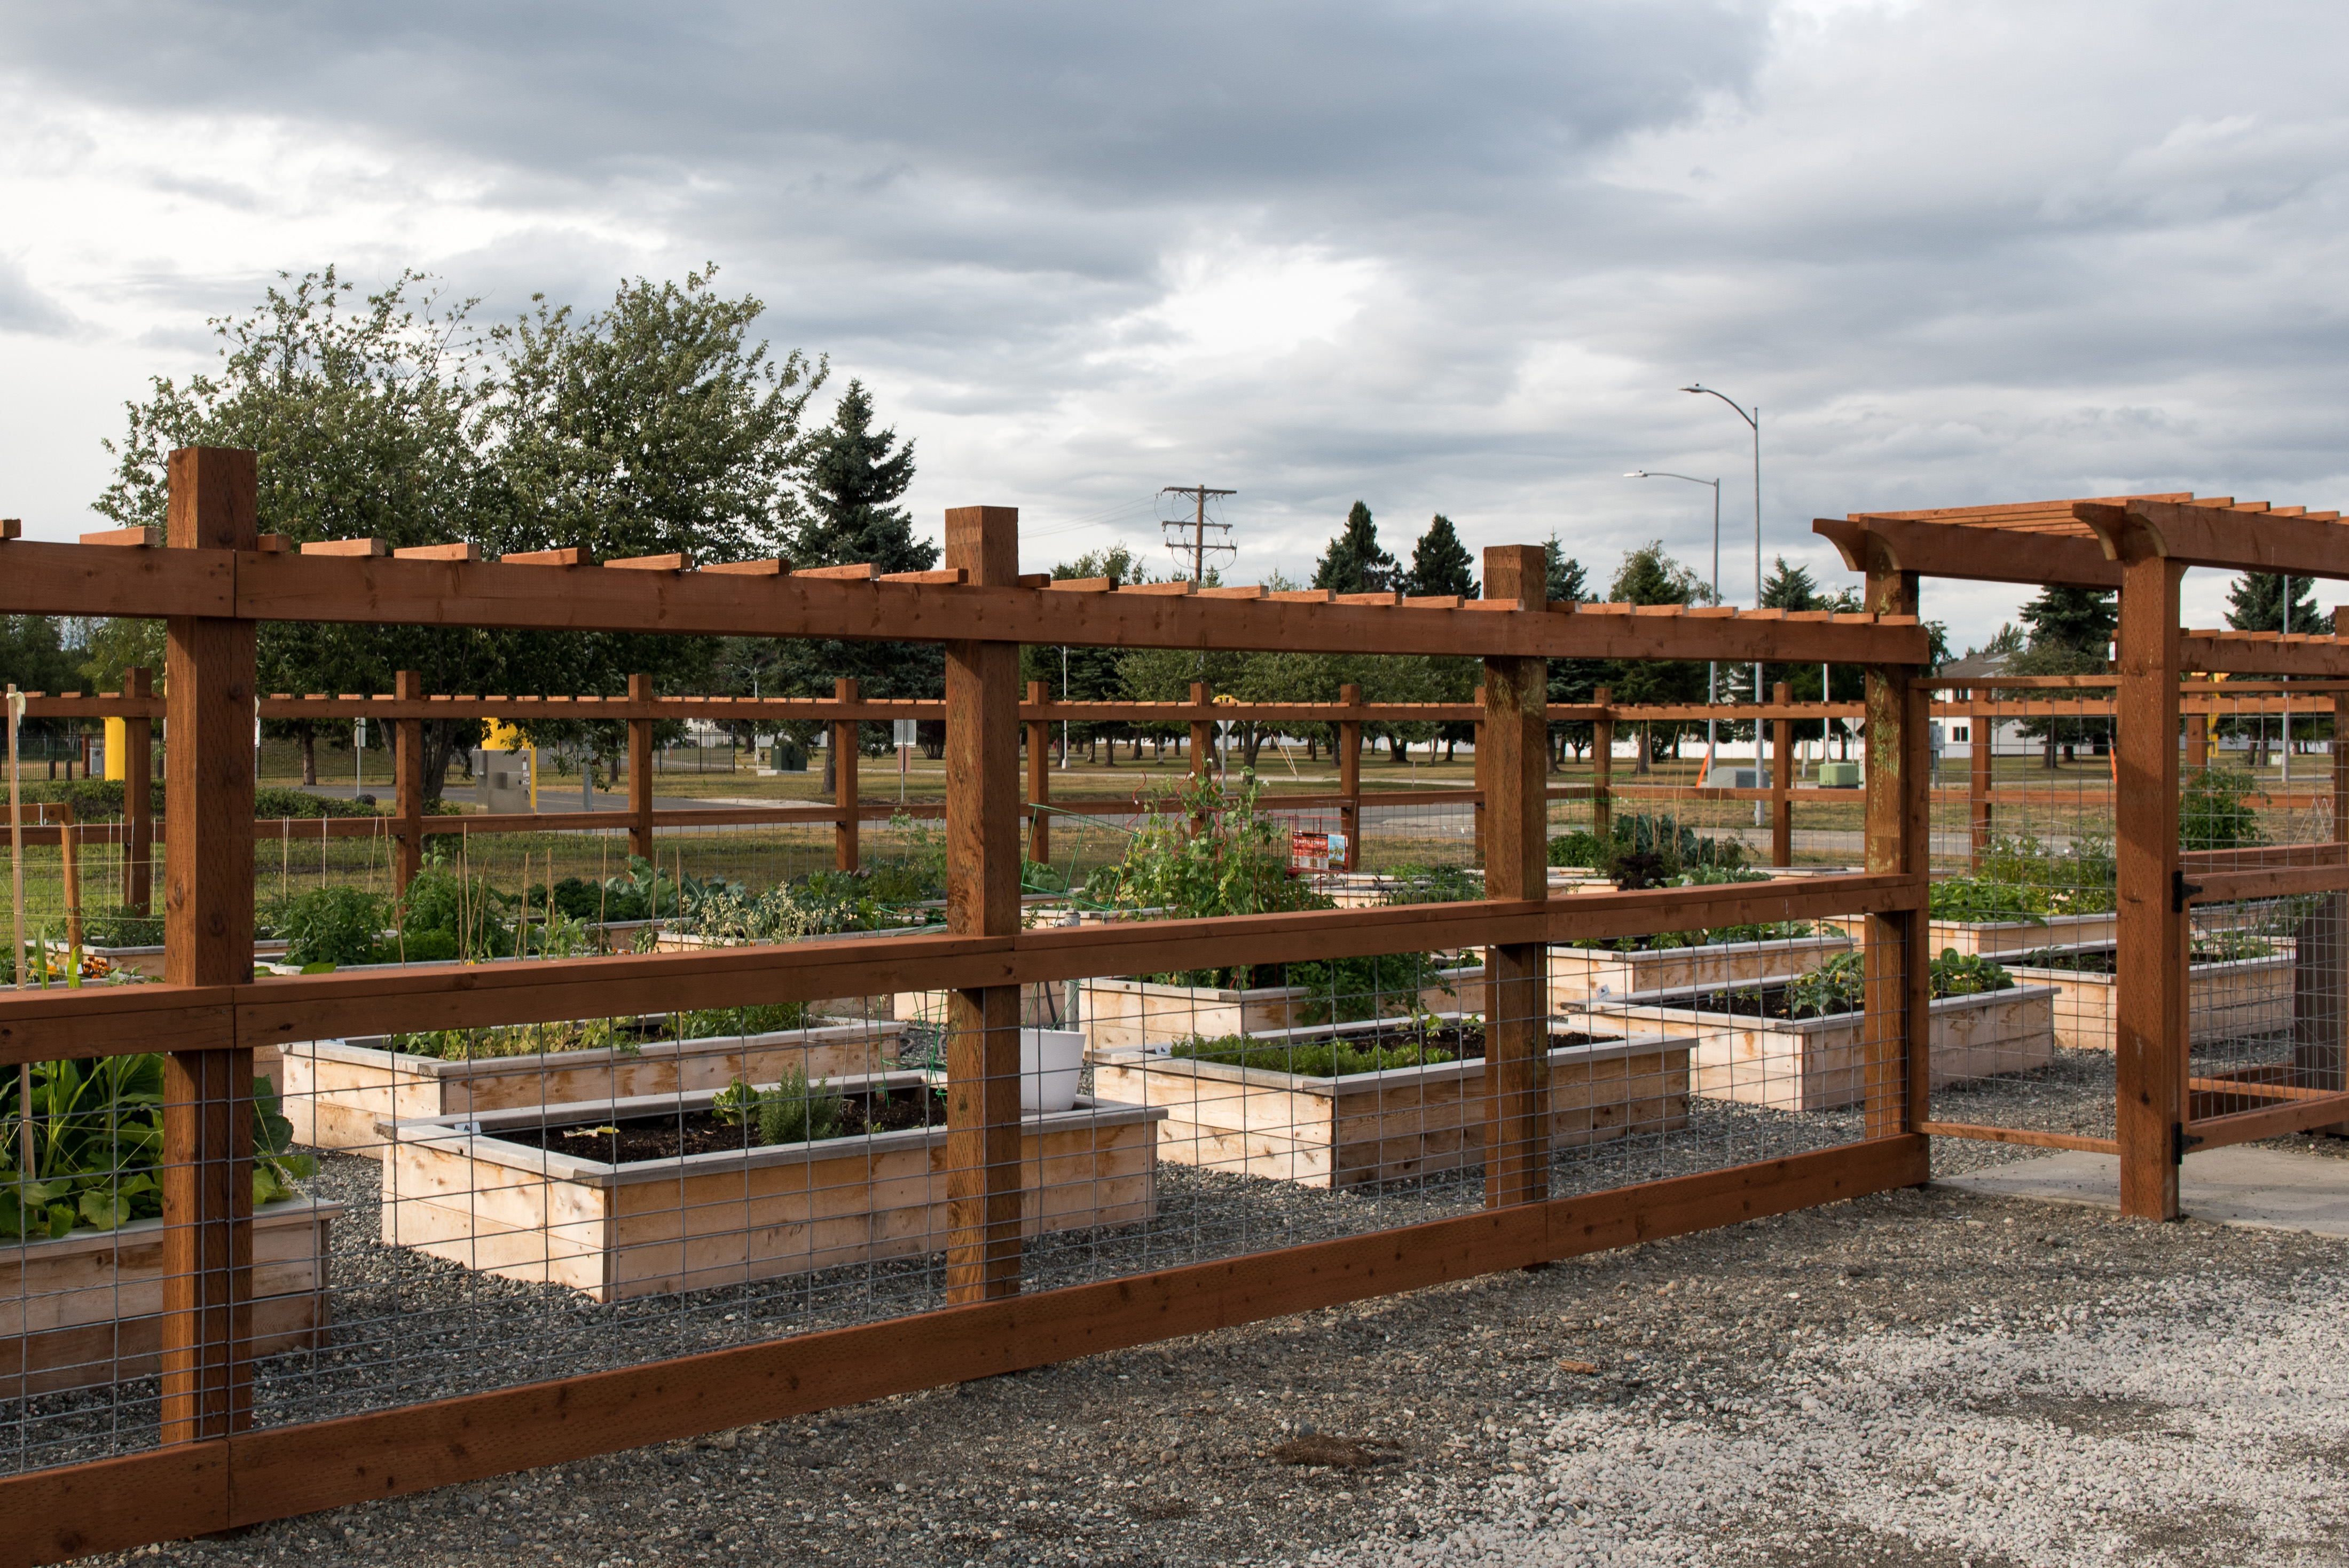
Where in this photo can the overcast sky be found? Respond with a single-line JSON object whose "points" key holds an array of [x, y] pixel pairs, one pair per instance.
{"points": [[1437, 258]]}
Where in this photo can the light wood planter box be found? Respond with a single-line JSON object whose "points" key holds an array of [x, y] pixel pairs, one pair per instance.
{"points": [[337, 1090], [2240, 999], [1996, 938], [873, 1006], [1588, 974], [86, 1309], [1385, 1126], [658, 1226], [1121, 1014], [1821, 1064]]}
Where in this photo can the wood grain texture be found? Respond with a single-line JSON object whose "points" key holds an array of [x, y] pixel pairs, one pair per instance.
{"points": [[1602, 768], [983, 1170], [1516, 1086], [1897, 959], [408, 742], [2149, 1032], [208, 934], [51, 1516], [640, 771], [1941, 550], [1039, 778], [1782, 779], [139, 795], [845, 851], [1350, 774], [92, 580]]}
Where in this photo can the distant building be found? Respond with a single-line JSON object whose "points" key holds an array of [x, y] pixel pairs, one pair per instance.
{"points": [[1958, 735]]}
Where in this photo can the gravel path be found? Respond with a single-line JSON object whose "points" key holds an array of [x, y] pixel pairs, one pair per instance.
{"points": [[1917, 1377]]}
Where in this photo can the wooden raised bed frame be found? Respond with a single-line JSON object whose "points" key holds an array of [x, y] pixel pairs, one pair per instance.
{"points": [[2232, 999], [85, 1310], [1130, 1014], [1821, 1064], [337, 1090], [1578, 974], [1386, 1126], [658, 1226]]}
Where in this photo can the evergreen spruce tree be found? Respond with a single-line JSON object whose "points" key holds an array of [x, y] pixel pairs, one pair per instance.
{"points": [[1571, 681], [2255, 603], [2079, 621], [854, 481], [1790, 588], [1354, 562], [1440, 563]]}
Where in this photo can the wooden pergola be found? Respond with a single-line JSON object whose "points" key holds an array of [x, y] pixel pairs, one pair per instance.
{"points": [[2141, 546]]}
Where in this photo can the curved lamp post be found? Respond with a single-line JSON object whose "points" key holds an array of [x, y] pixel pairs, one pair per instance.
{"points": [[1753, 419]]}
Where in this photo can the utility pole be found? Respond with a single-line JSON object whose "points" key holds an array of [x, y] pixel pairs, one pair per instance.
{"points": [[1196, 527]]}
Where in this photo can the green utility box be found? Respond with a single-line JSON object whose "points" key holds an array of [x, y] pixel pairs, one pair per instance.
{"points": [[1839, 775]]}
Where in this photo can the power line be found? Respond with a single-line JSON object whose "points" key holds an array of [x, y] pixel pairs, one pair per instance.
{"points": [[1197, 526]]}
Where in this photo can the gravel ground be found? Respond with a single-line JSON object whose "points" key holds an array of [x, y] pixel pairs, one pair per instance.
{"points": [[1916, 1378]]}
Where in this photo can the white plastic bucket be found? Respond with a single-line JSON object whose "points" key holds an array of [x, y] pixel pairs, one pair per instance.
{"points": [[1050, 1062]]}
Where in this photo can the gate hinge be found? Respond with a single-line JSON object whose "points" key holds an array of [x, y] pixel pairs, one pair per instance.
{"points": [[2181, 1141], [2181, 892]]}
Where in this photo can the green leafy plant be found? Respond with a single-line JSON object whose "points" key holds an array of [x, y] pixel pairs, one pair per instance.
{"points": [[121, 925], [1646, 850], [735, 1103], [795, 1111], [1344, 990], [515, 1040], [1431, 884], [1317, 1058], [1958, 974], [83, 1152], [1980, 901], [2214, 811], [331, 925], [2073, 880], [1840, 983]]}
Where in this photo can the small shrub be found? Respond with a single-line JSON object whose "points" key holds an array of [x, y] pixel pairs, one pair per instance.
{"points": [[794, 1111], [1319, 1059], [330, 926], [2214, 812]]}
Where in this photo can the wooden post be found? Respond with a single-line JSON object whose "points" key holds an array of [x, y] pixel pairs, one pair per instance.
{"points": [[1898, 961], [207, 1163], [2149, 969], [1782, 808], [1039, 776], [843, 776], [137, 796], [1484, 784], [2197, 742], [1602, 767], [1203, 737], [1516, 1009], [2319, 965], [640, 771], [1980, 727], [408, 776], [1350, 776], [983, 900]]}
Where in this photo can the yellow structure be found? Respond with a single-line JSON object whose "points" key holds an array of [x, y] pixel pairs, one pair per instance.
{"points": [[496, 736], [117, 747]]}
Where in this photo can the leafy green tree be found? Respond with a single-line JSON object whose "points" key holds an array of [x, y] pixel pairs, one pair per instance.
{"points": [[35, 657], [1571, 681], [1440, 563], [1649, 576], [645, 428], [1355, 562]]}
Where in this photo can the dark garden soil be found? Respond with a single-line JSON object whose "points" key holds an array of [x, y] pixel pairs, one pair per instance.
{"points": [[698, 1132]]}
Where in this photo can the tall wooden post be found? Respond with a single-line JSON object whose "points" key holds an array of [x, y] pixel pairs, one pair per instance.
{"points": [[640, 771], [1898, 962], [843, 776], [1203, 737], [1039, 776], [2149, 969], [1516, 1007], [1782, 808], [69, 870], [1484, 784], [1981, 729], [1349, 776], [408, 774], [1602, 766], [983, 900], [137, 796], [207, 1164], [2197, 742]]}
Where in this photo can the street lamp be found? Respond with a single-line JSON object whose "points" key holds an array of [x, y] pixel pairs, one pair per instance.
{"points": [[1711, 670], [1753, 418]]}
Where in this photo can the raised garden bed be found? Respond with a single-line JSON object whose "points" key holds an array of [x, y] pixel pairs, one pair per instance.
{"points": [[86, 1309], [337, 1090], [1820, 1064], [1388, 1124], [1585, 973], [514, 1199], [1996, 938], [2226, 999], [1118, 1015]]}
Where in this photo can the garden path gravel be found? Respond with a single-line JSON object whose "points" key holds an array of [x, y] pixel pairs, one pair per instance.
{"points": [[1926, 1377]]}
